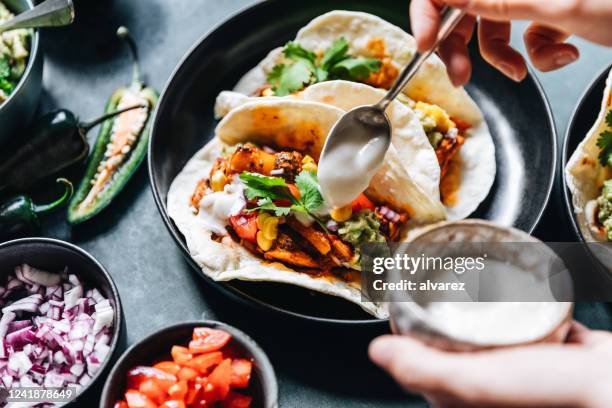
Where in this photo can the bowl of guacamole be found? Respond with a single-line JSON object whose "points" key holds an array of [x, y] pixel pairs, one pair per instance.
{"points": [[20, 72]]}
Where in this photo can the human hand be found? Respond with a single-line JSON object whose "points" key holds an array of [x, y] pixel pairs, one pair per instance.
{"points": [[575, 374], [552, 23]]}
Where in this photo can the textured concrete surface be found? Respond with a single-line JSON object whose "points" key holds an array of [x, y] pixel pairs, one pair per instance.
{"points": [[316, 366]]}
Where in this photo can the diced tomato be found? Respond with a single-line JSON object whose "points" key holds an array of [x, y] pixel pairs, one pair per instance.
{"points": [[207, 340], [195, 391], [138, 374], [152, 390], [173, 404], [135, 399], [295, 192], [218, 386], [241, 372], [178, 391], [245, 226], [181, 355], [168, 366], [187, 374], [362, 203], [120, 404], [235, 400], [205, 361]]}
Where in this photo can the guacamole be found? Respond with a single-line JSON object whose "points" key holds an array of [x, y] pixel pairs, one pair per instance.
{"points": [[14, 54], [604, 215], [362, 228]]}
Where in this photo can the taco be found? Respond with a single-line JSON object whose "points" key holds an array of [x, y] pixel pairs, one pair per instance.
{"points": [[364, 49], [249, 206], [589, 175]]}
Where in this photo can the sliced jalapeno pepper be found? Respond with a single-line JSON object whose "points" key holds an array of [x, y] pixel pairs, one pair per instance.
{"points": [[120, 147], [20, 213]]}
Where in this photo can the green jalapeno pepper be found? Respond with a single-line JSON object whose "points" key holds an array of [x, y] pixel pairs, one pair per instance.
{"points": [[120, 148], [57, 140], [20, 213]]}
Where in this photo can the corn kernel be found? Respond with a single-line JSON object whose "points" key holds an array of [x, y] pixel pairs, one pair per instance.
{"points": [[218, 181], [263, 242], [261, 219], [307, 159], [443, 121], [267, 92], [312, 167], [341, 214], [270, 228]]}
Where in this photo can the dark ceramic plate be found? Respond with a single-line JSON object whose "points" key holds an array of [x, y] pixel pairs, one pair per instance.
{"points": [[262, 385], [54, 255], [518, 115], [582, 120]]}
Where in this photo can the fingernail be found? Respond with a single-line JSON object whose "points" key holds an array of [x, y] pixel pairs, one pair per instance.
{"points": [[380, 352], [564, 58], [508, 70]]}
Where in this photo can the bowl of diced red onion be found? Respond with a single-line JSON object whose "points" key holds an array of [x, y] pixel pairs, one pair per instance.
{"points": [[60, 324]]}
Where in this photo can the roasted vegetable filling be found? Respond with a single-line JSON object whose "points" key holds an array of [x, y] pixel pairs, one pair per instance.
{"points": [[283, 217], [14, 52], [599, 211]]}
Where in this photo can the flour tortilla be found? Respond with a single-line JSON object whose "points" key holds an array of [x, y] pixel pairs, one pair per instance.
{"points": [[584, 174], [371, 36], [293, 124]]}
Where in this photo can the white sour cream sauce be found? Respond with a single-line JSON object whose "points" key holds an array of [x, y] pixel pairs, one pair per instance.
{"points": [[217, 207], [346, 168]]}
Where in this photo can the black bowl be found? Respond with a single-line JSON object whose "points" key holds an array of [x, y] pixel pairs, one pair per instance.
{"points": [[582, 120], [54, 255], [518, 114], [262, 386]]}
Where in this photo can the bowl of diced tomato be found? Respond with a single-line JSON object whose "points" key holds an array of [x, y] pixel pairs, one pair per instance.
{"points": [[201, 364]]}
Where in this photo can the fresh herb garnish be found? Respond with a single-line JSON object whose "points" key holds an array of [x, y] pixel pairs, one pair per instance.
{"points": [[268, 189], [5, 72], [305, 69], [604, 142]]}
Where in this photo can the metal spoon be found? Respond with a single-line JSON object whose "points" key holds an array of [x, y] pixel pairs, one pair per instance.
{"points": [[361, 138], [49, 13]]}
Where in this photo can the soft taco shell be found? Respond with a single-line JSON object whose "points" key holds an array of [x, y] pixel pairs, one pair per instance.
{"points": [[584, 174]]}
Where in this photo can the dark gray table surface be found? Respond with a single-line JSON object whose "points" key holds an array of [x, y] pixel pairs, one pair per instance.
{"points": [[316, 366]]}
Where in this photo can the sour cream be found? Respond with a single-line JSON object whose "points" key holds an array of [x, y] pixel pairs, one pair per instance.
{"points": [[216, 208]]}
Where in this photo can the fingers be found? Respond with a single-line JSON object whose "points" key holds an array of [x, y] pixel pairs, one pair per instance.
{"points": [[580, 334], [454, 52], [494, 40], [504, 10], [546, 48], [424, 21]]}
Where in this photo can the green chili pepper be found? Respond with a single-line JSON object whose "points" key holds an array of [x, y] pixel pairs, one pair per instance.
{"points": [[20, 213], [57, 140], [120, 148]]}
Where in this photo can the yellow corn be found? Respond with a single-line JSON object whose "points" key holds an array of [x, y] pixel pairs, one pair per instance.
{"points": [[312, 167], [443, 121], [341, 214], [267, 92], [218, 181], [270, 228], [263, 242], [307, 159], [261, 219]]}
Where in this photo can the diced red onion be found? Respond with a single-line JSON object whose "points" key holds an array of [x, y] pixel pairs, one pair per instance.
{"points": [[389, 214], [31, 275], [332, 225]]}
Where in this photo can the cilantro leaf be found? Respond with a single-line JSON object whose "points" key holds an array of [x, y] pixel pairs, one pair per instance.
{"points": [[5, 68], [6, 86], [296, 52], [604, 142], [609, 119], [355, 69], [335, 53], [268, 204], [310, 196], [259, 186], [286, 79]]}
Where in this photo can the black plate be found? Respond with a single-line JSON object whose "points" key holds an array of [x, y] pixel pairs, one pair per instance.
{"points": [[582, 120], [518, 114], [262, 385]]}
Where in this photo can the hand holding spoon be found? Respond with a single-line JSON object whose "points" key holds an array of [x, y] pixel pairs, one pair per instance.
{"points": [[49, 13], [358, 142]]}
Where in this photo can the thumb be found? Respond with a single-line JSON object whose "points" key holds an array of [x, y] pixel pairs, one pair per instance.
{"points": [[505, 10]]}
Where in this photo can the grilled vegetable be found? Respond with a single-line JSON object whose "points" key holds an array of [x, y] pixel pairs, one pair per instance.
{"points": [[19, 213], [120, 147], [57, 141]]}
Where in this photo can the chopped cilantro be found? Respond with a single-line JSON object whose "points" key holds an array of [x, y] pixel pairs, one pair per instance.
{"points": [[604, 142], [305, 69], [5, 68]]}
